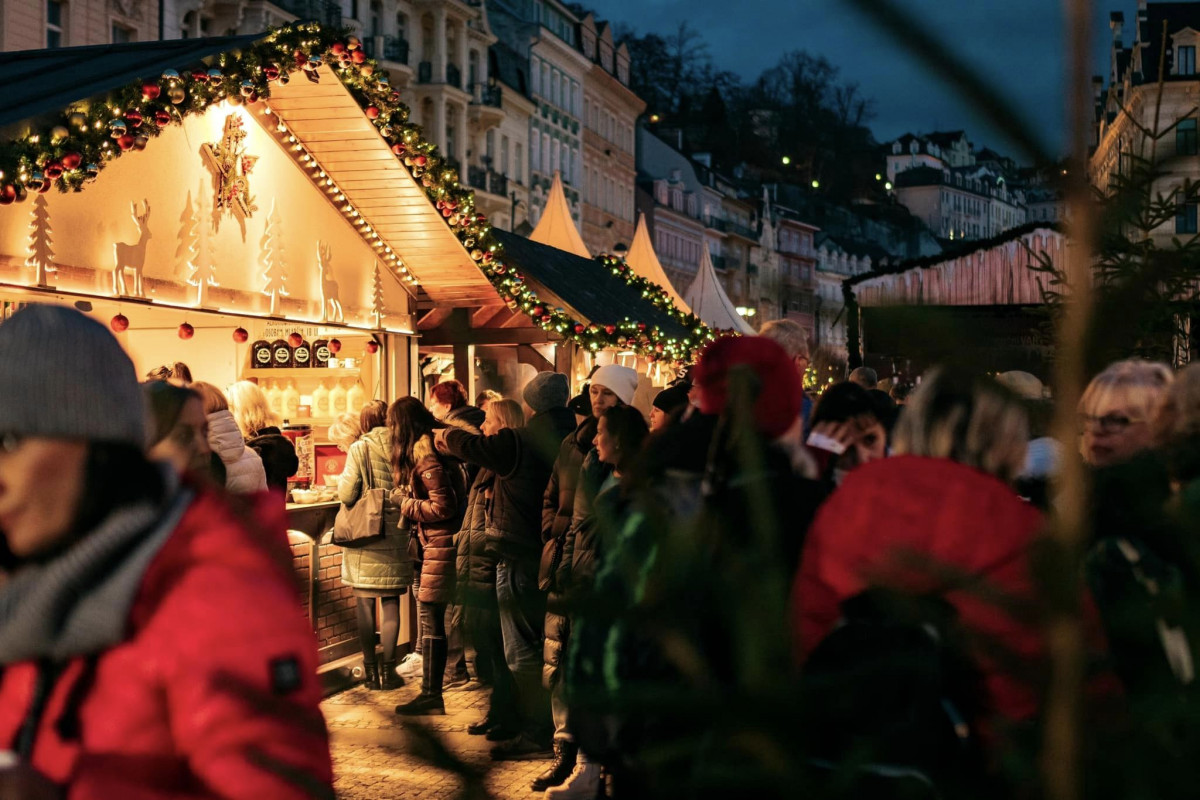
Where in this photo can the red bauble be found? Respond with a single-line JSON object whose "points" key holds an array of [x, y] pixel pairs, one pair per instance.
{"points": [[54, 170], [334, 346], [295, 339], [579, 327], [338, 48], [539, 311], [240, 335], [358, 56], [162, 117], [8, 194], [151, 91], [200, 75], [546, 319], [610, 329], [186, 331], [134, 117], [72, 160], [398, 148], [420, 161], [125, 141], [641, 326], [372, 112], [119, 323], [372, 347], [271, 72]]}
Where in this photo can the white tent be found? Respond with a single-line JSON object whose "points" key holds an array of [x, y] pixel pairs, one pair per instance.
{"points": [[644, 262], [556, 228], [709, 302]]}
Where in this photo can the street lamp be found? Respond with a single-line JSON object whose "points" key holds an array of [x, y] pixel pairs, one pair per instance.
{"points": [[816, 184], [746, 311], [787, 160]]}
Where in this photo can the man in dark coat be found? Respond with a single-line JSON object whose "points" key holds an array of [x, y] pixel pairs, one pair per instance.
{"points": [[521, 459]]}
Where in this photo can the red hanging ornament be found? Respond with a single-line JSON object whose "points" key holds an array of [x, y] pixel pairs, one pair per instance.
{"points": [[337, 48], [186, 331], [240, 335], [54, 170], [134, 117], [546, 318], [610, 329], [200, 76], [334, 346], [150, 91], [539, 310], [641, 326], [162, 117], [295, 339], [271, 72], [372, 346], [358, 57], [126, 141], [372, 112], [119, 323], [398, 148], [72, 160], [8, 194], [579, 327]]}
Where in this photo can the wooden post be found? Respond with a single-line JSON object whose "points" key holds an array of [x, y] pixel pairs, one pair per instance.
{"points": [[464, 368]]}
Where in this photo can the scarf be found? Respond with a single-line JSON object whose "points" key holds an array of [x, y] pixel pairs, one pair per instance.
{"points": [[78, 603]]}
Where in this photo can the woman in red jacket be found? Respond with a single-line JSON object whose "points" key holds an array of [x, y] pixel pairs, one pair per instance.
{"points": [[433, 495], [151, 644], [942, 507]]}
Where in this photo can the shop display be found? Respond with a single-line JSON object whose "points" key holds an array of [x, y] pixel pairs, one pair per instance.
{"points": [[302, 440], [261, 356], [291, 402], [271, 257], [132, 255], [302, 355], [331, 304], [321, 353], [356, 398], [320, 402], [41, 255], [281, 354], [337, 400]]}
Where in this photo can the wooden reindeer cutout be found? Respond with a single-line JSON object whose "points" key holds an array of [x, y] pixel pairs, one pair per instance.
{"points": [[132, 255], [331, 306]]}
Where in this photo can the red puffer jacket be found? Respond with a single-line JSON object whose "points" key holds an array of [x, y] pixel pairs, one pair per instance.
{"points": [[437, 503], [214, 692], [891, 515]]}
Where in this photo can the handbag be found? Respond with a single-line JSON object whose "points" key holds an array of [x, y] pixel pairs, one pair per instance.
{"points": [[552, 553], [365, 521]]}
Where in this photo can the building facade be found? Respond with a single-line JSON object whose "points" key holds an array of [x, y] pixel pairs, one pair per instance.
{"points": [[670, 195], [610, 112], [797, 268], [37, 24], [1129, 107], [834, 266]]}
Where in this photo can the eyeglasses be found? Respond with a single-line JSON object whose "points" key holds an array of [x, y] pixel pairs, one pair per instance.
{"points": [[1109, 423], [9, 442]]}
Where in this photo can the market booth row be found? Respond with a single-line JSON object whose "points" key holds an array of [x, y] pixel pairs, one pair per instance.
{"points": [[260, 208], [258, 225]]}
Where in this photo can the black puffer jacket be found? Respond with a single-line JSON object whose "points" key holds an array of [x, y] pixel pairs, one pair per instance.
{"points": [[278, 456], [476, 564], [522, 459], [558, 503]]}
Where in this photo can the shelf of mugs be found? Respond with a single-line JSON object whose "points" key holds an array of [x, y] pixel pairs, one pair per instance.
{"points": [[268, 373]]}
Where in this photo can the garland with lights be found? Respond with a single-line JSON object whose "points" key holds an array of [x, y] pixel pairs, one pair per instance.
{"points": [[72, 151]]}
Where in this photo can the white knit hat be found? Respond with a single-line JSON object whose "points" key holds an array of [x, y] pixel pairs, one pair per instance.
{"points": [[63, 375], [621, 381]]}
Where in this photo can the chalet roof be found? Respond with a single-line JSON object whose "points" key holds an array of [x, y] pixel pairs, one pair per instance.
{"points": [[642, 258], [709, 302], [557, 228], [583, 285]]}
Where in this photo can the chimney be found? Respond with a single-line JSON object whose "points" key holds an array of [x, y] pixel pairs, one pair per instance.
{"points": [[1116, 21], [1097, 86]]}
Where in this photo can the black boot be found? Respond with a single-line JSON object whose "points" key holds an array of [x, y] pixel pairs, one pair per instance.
{"points": [[370, 675], [564, 761], [433, 663], [388, 678]]}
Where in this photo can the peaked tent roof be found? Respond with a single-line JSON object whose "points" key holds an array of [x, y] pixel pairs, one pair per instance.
{"points": [[642, 259], [556, 228], [709, 301]]}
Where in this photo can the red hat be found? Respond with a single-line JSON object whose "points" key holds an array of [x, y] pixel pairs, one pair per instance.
{"points": [[781, 391]]}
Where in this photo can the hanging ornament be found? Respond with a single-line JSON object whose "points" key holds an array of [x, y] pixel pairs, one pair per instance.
{"points": [[150, 91], [126, 141], [54, 170], [372, 346], [579, 328], [353, 43], [610, 329], [162, 117], [8, 194], [295, 339], [176, 94], [367, 70], [170, 75], [119, 323], [58, 133], [398, 148], [186, 331], [215, 76], [358, 56], [92, 170], [140, 141], [117, 128], [271, 72], [35, 182], [337, 48], [247, 88], [240, 335], [372, 112], [200, 76], [134, 117], [335, 345], [641, 326]]}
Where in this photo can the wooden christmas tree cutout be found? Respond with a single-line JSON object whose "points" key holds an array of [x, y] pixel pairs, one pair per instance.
{"points": [[41, 255], [377, 304], [271, 258]]}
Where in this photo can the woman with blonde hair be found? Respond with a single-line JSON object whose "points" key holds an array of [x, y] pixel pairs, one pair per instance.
{"points": [[1117, 409], [244, 473], [942, 505], [260, 429]]}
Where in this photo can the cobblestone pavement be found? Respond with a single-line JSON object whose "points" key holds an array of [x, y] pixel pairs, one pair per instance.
{"points": [[377, 757]]}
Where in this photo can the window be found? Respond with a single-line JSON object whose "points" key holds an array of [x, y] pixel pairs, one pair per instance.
{"points": [[1185, 138], [545, 80], [518, 156], [1185, 218], [504, 155], [1185, 60], [535, 75], [121, 34], [54, 23], [537, 151]]}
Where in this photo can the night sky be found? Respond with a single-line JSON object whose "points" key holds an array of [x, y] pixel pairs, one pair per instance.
{"points": [[1018, 42]]}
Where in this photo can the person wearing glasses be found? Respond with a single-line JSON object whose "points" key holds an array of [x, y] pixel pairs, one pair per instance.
{"points": [[149, 640], [1117, 409]]}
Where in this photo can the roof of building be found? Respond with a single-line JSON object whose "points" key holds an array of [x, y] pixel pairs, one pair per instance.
{"points": [[584, 285], [556, 227], [1177, 16], [509, 67], [657, 160], [644, 261], [945, 138], [709, 302], [38, 82]]}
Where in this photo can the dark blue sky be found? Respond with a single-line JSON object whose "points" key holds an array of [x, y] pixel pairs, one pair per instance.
{"points": [[1019, 43]]}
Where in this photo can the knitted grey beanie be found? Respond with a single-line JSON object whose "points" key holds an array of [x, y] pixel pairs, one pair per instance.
{"points": [[545, 391], [63, 375]]}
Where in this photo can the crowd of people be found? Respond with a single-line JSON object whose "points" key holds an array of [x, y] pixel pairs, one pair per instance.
{"points": [[748, 588]]}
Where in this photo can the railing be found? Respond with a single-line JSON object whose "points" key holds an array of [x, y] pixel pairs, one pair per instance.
{"points": [[718, 262], [487, 181], [387, 48], [486, 95], [328, 12], [454, 75]]}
